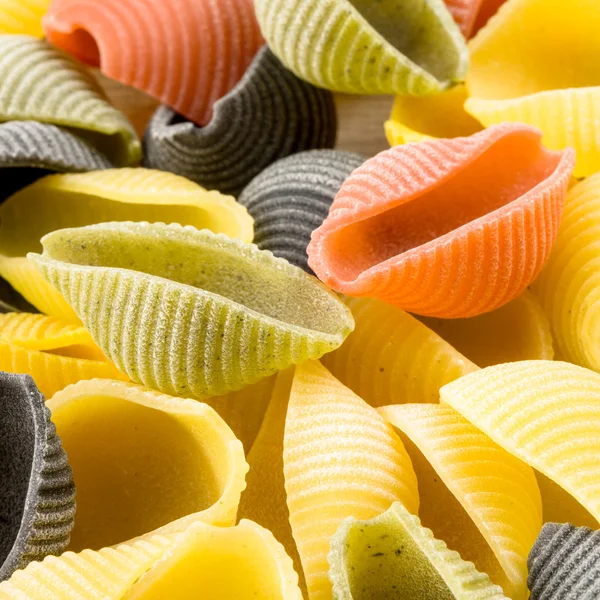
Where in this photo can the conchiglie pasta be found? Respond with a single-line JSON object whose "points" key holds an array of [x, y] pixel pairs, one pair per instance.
{"points": [[22, 16], [145, 462], [392, 358]]}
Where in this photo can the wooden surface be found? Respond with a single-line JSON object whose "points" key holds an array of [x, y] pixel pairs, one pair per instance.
{"points": [[361, 118]]}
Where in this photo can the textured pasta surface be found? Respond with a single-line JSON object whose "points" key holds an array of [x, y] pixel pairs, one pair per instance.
{"points": [[145, 462], [292, 197], [22, 16], [37, 493], [514, 75], [268, 115], [392, 358], [40, 83], [482, 501], [188, 312], [548, 415], [341, 459], [394, 556], [186, 71], [361, 47], [420, 227]]}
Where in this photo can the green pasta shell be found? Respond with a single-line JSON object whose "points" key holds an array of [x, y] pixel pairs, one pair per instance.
{"points": [[393, 556], [367, 46], [39, 82], [189, 312]]}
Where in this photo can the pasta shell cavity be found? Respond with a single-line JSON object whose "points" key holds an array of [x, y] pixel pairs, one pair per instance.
{"points": [[548, 415], [513, 75], [364, 47], [189, 312], [40, 83], [73, 200], [145, 462], [37, 493], [394, 556], [420, 226], [268, 115], [187, 71]]}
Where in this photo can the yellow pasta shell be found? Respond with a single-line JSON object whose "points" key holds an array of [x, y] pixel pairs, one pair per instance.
{"points": [[569, 285], [482, 501], [514, 75], [392, 358], [73, 200], [213, 563], [22, 16], [341, 459], [548, 415], [145, 462], [518, 330]]}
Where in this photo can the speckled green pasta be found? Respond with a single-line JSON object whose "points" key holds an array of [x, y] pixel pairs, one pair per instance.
{"points": [[39, 82], [394, 556], [366, 46], [190, 312]]}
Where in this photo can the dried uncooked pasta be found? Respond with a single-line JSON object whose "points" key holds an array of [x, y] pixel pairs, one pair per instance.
{"points": [[72, 200], [268, 115], [12, 301], [392, 358], [188, 312], [420, 226], [518, 330], [548, 415], [40, 83], [394, 556], [519, 73], [564, 563], [22, 16], [37, 493], [365, 47], [341, 459], [145, 462], [568, 286], [291, 198], [187, 53], [471, 15], [489, 515]]}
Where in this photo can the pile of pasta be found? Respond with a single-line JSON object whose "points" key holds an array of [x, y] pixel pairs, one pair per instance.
{"points": [[237, 363]]}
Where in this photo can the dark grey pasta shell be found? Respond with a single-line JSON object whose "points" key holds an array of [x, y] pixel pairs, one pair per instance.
{"points": [[291, 198], [12, 301], [564, 564], [29, 150], [270, 114], [37, 495]]}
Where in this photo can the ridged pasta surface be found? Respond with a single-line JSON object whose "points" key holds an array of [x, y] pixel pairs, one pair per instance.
{"points": [[22, 16]]}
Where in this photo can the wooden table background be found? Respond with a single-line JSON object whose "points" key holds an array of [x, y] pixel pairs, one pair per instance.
{"points": [[360, 118]]}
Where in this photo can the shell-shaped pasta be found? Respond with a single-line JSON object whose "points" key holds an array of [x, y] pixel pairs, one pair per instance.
{"points": [[421, 226], [145, 462], [292, 197], [482, 501], [53, 352], [361, 47], [545, 413], [441, 116], [106, 574], [513, 75], [12, 301], [341, 459], [472, 15], [188, 312], [517, 331], [37, 493], [392, 358], [40, 83], [29, 150], [394, 556], [268, 115], [73, 200], [244, 562], [205, 46], [564, 563], [567, 287], [22, 16]]}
